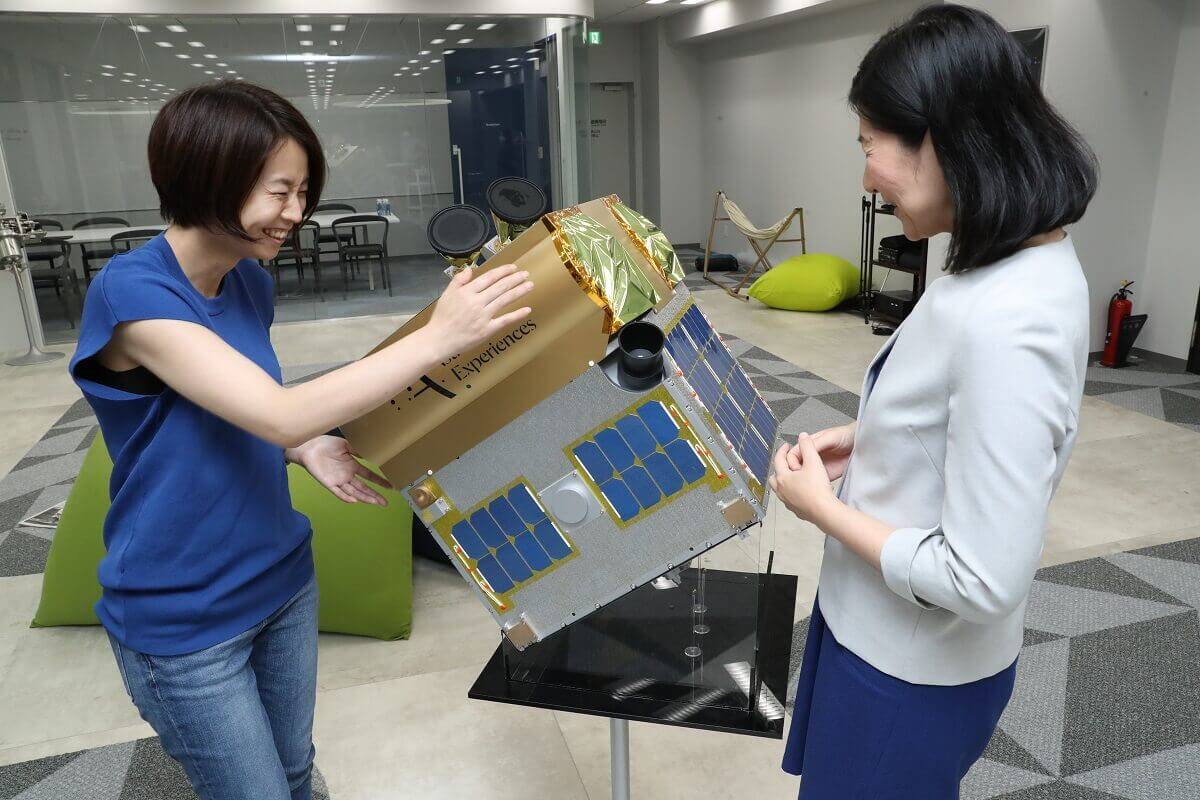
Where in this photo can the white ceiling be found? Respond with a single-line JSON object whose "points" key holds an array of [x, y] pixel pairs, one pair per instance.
{"points": [[634, 11]]}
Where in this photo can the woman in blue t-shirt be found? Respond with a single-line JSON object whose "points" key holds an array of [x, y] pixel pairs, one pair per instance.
{"points": [[209, 596]]}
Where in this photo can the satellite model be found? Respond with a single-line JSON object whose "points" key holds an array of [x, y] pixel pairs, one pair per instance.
{"points": [[604, 441]]}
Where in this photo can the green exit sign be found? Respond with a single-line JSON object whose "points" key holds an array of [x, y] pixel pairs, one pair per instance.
{"points": [[593, 37]]}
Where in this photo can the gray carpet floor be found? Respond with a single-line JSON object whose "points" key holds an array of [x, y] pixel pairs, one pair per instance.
{"points": [[1107, 701]]}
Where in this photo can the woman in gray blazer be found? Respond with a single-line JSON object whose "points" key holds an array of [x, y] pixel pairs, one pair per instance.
{"points": [[967, 420]]}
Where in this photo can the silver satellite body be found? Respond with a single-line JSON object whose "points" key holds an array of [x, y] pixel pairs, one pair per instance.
{"points": [[656, 449]]}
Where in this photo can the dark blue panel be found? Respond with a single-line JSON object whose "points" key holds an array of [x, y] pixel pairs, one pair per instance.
{"points": [[739, 386], [621, 499], [664, 474], [487, 529], [636, 435], [532, 552], [718, 358], [659, 422], [686, 461], [682, 350], [503, 513], [550, 539], [526, 506], [643, 488], [706, 384], [512, 562], [729, 421], [490, 569], [594, 461], [697, 327], [763, 419], [614, 447], [470, 542], [758, 458]]}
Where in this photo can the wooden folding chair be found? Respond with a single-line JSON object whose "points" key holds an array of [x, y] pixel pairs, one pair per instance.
{"points": [[761, 239]]}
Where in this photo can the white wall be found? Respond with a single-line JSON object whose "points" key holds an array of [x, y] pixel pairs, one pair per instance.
{"points": [[1108, 69], [1167, 291], [779, 133], [619, 60]]}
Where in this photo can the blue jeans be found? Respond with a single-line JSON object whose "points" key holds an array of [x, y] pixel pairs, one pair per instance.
{"points": [[237, 716]]}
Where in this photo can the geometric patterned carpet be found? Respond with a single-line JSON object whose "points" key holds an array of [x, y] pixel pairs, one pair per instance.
{"points": [[137, 770], [1151, 387]]}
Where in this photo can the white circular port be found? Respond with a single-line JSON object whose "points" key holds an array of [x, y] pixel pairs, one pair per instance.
{"points": [[569, 504]]}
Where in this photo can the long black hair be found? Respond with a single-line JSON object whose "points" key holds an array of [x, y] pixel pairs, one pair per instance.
{"points": [[1014, 167]]}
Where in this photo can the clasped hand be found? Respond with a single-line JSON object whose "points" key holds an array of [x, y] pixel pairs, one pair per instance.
{"points": [[804, 471]]}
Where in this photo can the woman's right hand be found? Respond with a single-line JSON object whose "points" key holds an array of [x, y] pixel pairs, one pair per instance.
{"points": [[834, 446], [466, 313]]}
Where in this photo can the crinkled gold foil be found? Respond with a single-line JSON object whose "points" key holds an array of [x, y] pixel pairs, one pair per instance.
{"points": [[649, 238], [603, 268], [507, 231]]}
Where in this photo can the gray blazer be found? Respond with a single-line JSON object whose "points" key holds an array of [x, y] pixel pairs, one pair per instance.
{"points": [[967, 419]]}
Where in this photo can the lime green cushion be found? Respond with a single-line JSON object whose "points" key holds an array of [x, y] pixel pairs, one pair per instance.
{"points": [[813, 282], [363, 555]]}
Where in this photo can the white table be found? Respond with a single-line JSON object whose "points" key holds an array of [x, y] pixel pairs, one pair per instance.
{"points": [[103, 235]]}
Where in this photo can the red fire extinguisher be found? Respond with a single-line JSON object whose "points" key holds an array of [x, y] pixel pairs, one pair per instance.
{"points": [[1119, 307]]}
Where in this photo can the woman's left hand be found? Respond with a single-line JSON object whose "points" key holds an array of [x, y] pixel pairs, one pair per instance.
{"points": [[331, 461], [801, 481]]}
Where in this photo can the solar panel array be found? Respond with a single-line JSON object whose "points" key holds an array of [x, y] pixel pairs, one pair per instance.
{"points": [[512, 539], [724, 389], [640, 460]]}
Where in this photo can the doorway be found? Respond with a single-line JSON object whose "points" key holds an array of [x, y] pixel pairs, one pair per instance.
{"points": [[612, 141]]}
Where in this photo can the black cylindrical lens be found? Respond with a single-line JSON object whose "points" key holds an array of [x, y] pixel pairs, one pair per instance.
{"points": [[640, 363]]}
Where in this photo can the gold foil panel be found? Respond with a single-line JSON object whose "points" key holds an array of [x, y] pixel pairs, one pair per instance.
{"points": [[507, 231], [604, 269], [648, 238], [467, 398], [599, 210]]}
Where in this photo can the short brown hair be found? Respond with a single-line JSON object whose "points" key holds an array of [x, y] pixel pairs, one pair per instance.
{"points": [[208, 146]]}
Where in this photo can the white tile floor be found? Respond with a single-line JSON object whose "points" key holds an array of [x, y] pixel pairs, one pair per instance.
{"points": [[386, 711]]}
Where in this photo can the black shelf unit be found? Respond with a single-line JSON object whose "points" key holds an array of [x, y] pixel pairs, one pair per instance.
{"points": [[867, 260]]}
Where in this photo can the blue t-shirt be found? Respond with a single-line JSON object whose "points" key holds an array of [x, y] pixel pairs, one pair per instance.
{"points": [[202, 540]]}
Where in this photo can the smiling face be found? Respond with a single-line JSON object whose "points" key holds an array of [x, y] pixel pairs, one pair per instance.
{"points": [[276, 203], [909, 178]]}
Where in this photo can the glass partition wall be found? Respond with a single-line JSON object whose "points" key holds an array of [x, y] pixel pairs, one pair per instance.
{"points": [[414, 114]]}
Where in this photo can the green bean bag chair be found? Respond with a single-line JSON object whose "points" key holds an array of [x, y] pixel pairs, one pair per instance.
{"points": [[813, 282], [363, 555]]}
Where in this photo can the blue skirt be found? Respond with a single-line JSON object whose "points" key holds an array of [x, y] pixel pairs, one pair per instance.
{"points": [[858, 733]]}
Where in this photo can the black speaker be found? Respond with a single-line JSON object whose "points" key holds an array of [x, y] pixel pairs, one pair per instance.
{"points": [[516, 204], [458, 232]]}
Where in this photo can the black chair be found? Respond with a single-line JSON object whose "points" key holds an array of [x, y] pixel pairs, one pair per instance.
{"points": [[124, 241], [50, 267], [295, 251], [352, 250], [96, 251]]}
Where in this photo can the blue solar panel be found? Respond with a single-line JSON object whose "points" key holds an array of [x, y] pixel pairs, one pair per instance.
{"points": [[642, 486], [503, 513], [526, 506], [615, 449], [468, 540], [684, 458], [664, 474], [659, 422], [551, 540], [621, 499], [636, 434], [512, 562], [724, 389], [496, 577], [487, 528], [594, 462], [532, 552], [511, 539]]}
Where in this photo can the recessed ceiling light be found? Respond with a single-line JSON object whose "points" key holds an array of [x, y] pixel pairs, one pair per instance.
{"points": [[198, 65], [126, 80], [534, 59], [514, 58], [164, 44], [487, 26], [208, 72], [129, 74], [656, 2], [209, 55], [108, 66], [690, 2], [397, 74], [414, 61], [436, 41], [423, 52], [435, 61], [497, 72], [139, 29], [159, 85], [196, 44], [231, 72], [107, 74], [447, 52], [514, 66], [222, 64], [182, 55], [424, 68], [176, 29], [533, 51], [304, 28], [465, 41], [457, 26], [333, 42], [337, 28], [480, 72], [306, 42]]}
